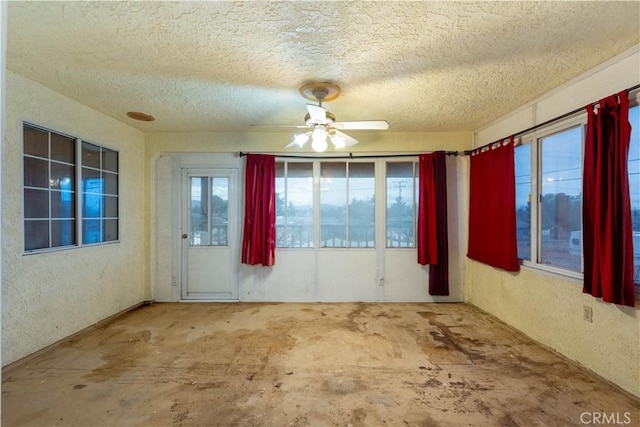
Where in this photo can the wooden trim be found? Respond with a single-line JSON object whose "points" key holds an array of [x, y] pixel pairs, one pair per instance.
{"points": [[88, 329]]}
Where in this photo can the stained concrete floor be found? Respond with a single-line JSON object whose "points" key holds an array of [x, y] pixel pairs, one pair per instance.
{"points": [[244, 364]]}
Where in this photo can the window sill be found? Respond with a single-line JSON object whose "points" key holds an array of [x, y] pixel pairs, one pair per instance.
{"points": [[570, 276]]}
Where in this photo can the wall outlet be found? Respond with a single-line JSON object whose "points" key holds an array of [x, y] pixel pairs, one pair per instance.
{"points": [[587, 313], [174, 281]]}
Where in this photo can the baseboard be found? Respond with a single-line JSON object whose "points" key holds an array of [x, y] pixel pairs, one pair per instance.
{"points": [[74, 336]]}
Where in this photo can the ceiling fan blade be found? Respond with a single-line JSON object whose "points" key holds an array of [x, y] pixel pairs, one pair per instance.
{"points": [[363, 125], [280, 126], [318, 114], [341, 139]]}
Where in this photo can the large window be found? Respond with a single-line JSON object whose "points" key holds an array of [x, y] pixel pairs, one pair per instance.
{"points": [[548, 174], [52, 214], [401, 204], [294, 204]]}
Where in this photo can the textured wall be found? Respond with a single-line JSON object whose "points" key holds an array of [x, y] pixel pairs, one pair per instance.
{"points": [[548, 307], [49, 296]]}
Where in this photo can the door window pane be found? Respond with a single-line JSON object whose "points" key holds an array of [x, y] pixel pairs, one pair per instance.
{"points": [[219, 210], [561, 204], [199, 209], [401, 204], [523, 200]]}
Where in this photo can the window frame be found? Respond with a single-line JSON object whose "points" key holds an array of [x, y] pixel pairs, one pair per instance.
{"points": [[534, 139], [415, 179], [77, 190]]}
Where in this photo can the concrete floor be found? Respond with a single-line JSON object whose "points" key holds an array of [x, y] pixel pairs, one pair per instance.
{"points": [[306, 365]]}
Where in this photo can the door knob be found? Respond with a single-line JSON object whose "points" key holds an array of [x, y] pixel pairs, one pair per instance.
{"points": [[184, 236]]}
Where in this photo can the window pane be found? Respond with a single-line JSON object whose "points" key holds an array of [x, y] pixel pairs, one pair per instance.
{"points": [[523, 200], [634, 186], [62, 176], [219, 210], [90, 155], [400, 204], [92, 205], [294, 205], [63, 148], [36, 203], [36, 173], [36, 142], [110, 231], [91, 181], [110, 206], [91, 231], [36, 235], [198, 235], [63, 204], [110, 183], [361, 205], [109, 160], [333, 205], [63, 233], [561, 211]]}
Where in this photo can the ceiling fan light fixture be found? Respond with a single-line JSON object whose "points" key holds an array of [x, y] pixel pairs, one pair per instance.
{"points": [[319, 139]]}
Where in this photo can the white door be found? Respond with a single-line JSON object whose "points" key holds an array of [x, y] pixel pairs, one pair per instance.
{"points": [[210, 234]]}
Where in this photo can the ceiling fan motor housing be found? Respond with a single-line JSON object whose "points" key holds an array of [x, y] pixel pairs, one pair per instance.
{"points": [[331, 118]]}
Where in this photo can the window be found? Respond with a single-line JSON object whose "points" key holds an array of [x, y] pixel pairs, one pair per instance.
{"points": [[347, 205], [325, 204], [523, 200], [99, 194], [401, 204], [294, 205], [549, 198], [561, 199], [52, 213], [549, 231], [49, 190]]}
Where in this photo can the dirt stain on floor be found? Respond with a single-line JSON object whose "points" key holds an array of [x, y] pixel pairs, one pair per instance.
{"points": [[305, 365]]}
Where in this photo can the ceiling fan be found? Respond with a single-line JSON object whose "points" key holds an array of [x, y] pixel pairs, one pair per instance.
{"points": [[322, 123]]}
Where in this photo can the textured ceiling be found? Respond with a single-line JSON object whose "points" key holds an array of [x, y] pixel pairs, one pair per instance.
{"points": [[223, 66]]}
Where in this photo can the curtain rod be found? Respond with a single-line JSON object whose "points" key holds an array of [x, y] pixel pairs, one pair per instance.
{"points": [[448, 153], [548, 122], [349, 156]]}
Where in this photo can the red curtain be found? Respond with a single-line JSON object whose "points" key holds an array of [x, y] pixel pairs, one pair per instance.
{"points": [[259, 237], [433, 239], [492, 211], [606, 206]]}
